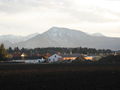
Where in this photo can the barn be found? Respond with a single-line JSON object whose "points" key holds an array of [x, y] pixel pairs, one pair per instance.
{"points": [[54, 58]]}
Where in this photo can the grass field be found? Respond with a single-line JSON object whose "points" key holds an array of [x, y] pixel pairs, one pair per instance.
{"points": [[59, 77]]}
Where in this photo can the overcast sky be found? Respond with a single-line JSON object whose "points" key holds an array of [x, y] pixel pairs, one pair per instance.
{"points": [[23, 17]]}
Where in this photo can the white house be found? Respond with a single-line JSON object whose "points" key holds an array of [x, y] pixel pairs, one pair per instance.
{"points": [[54, 58], [35, 61]]}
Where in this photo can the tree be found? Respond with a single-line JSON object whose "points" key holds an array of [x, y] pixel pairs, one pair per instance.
{"points": [[10, 50], [3, 52], [16, 49]]}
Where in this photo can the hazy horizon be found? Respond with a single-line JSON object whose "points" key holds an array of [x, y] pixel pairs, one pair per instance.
{"points": [[24, 17], [35, 33]]}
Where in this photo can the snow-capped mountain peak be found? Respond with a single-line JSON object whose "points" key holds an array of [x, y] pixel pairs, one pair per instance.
{"points": [[64, 37], [98, 35]]}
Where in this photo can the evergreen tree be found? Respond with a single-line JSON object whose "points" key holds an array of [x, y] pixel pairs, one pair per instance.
{"points": [[10, 50], [3, 52]]}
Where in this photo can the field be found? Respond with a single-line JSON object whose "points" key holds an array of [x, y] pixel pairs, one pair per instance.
{"points": [[59, 77]]}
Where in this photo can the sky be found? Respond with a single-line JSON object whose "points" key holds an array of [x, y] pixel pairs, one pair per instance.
{"points": [[23, 17]]}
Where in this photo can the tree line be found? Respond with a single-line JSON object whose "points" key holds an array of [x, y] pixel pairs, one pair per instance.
{"points": [[52, 50], [15, 53]]}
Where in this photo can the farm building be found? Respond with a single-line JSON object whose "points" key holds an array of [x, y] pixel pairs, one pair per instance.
{"points": [[35, 61], [54, 58], [89, 57], [75, 56], [70, 56]]}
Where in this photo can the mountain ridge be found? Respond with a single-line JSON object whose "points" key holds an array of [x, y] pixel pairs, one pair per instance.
{"points": [[15, 39], [64, 37], [98, 35]]}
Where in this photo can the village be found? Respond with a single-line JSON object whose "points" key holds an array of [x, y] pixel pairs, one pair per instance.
{"points": [[59, 58], [54, 55]]}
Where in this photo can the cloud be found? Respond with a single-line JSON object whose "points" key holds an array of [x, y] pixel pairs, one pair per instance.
{"points": [[11, 6], [19, 16]]}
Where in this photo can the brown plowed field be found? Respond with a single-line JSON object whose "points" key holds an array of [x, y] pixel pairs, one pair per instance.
{"points": [[59, 77]]}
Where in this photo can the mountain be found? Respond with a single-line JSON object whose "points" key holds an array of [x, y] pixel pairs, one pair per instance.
{"points": [[11, 38], [30, 36], [98, 35], [64, 37], [15, 39], [6, 43]]}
